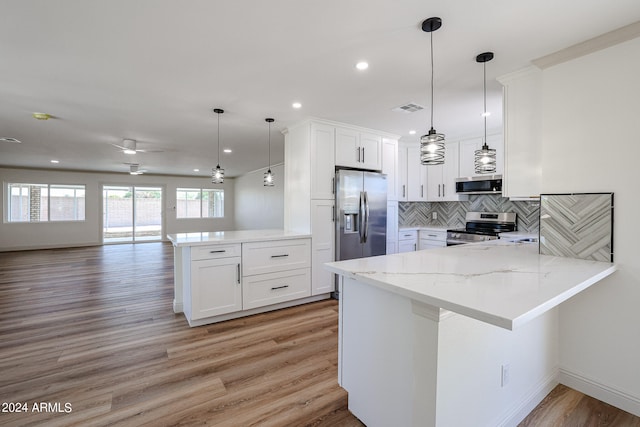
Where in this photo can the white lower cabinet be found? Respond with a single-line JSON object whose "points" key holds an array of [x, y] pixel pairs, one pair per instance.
{"points": [[407, 241], [232, 280], [322, 246], [215, 287], [392, 227], [275, 271]]}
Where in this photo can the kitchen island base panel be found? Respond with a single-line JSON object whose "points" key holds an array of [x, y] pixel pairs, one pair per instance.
{"points": [[406, 363], [244, 313]]}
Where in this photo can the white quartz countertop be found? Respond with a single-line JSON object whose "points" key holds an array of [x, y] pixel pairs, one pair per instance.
{"points": [[498, 282], [237, 236]]}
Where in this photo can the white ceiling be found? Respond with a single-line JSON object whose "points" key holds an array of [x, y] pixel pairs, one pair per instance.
{"points": [[153, 70]]}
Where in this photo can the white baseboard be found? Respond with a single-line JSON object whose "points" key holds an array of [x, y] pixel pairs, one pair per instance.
{"points": [[177, 307], [593, 388], [518, 412]]}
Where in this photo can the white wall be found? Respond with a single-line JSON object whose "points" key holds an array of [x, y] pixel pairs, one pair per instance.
{"points": [[257, 206], [66, 234], [591, 143]]}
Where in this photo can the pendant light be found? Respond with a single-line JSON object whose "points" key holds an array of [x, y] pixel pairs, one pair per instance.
{"points": [[485, 158], [217, 174], [432, 144], [268, 175]]}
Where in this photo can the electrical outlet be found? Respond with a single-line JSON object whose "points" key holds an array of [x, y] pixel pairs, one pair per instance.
{"points": [[434, 215], [505, 375]]}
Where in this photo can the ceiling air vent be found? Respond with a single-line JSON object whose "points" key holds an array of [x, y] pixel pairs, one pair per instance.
{"points": [[13, 140], [409, 107]]}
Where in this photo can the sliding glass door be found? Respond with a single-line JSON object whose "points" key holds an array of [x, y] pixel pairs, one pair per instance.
{"points": [[131, 213]]}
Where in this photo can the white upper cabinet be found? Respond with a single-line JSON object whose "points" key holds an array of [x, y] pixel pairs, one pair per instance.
{"points": [[416, 175], [522, 136], [322, 161], [441, 179], [390, 166], [468, 148], [401, 189], [358, 150]]}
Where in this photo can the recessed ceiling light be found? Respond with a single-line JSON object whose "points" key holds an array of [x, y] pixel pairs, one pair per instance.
{"points": [[55, 161], [412, 132], [296, 105], [196, 170], [41, 116], [227, 150], [362, 65]]}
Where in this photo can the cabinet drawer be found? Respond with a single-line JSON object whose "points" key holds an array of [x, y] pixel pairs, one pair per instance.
{"points": [[215, 251], [272, 288], [408, 235], [277, 255], [439, 235]]}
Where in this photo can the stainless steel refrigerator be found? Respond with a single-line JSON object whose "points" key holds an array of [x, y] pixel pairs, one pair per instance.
{"points": [[361, 204]]}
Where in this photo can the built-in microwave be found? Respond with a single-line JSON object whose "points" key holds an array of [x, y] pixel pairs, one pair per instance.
{"points": [[487, 184]]}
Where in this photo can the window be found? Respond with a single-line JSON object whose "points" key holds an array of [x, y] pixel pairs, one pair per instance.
{"points": [[46, 202], [199, 203]]}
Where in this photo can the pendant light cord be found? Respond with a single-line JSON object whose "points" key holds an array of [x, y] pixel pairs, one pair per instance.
{"points": [[269, 145], [484, 112], [218, 139], [431, 34]]}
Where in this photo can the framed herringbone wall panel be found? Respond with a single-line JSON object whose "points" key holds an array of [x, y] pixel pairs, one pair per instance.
{"points": [[577, 225]]}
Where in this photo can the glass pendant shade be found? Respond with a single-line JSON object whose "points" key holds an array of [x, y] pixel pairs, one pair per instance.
{"points": [[485, 160], [217, 175], [432, 148], [268, 178]]}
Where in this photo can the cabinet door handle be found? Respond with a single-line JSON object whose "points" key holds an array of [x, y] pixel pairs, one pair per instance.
{"points": [[415, 246], [362, 154], [218, 252], [432, 235], [442, 190], [279, 256], [333, 213], [404, 193], [238, 275], [358, 151], [333, 186], [279, 287], [421, 190]]}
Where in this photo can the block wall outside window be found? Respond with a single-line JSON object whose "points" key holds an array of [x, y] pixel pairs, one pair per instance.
{"points": [[199, 203], [45, 202]]}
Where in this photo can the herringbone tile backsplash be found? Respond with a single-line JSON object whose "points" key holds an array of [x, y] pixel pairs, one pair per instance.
{"points": [[451, 214]]}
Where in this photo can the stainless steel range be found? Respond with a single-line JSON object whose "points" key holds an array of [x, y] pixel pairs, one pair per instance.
{"points": [[482, 226]]}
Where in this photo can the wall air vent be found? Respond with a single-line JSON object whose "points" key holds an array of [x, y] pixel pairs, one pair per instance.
{"points": [[409, 107], [13, 140]]}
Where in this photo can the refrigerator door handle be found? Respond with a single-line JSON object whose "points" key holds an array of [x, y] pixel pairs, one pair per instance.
{"points": [[366, 217], [361, 214]]}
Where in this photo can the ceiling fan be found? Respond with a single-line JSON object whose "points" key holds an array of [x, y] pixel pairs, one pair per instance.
{"points": [[134, 169], [129, 147]]}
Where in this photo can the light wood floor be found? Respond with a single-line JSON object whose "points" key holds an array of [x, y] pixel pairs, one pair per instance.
{"points": [[94, 327]]}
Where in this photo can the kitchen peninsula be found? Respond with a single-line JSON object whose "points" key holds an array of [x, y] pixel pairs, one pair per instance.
{"points": [[228, 274], [459, 336]]}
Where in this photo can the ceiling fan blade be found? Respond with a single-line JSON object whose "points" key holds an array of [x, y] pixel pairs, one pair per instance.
{"points": [[150, 151], [119, 146]]}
